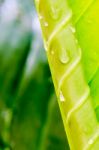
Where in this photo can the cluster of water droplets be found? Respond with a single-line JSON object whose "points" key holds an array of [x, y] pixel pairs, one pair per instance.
{"points": [[55, 13], [64, 58], [42, 19]]}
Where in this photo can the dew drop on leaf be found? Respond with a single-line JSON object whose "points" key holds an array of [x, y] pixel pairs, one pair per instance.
{"points": [[55, 12], [91, 141], [63, 56], [41, 17], [45, 24], [62, 99], [52, 52], [72, 29]]}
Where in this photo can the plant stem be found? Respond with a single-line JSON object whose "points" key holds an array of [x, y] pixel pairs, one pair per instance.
{"points": [[64, 56]]}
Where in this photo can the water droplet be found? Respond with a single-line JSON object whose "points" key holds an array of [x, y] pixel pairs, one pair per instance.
{"points": [[63, 56], [91, 141], [55, 12], [72, 29], [45, 24], [62, 99], [41, 17], [52, 52], [45, 45]]}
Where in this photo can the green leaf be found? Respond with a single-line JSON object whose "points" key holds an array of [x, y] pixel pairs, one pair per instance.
{"points": [[85, 16], [73, 59]]}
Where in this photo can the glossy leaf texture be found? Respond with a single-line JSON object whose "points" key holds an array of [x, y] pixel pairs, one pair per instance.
{"points": [[28, 108], [70, 31]]}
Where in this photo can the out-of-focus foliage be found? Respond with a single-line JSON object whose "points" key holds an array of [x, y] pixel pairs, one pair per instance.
{"points": [[29, 114]]}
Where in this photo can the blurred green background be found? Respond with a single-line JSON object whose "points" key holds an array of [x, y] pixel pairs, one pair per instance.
{"points": [[29, 114]]}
